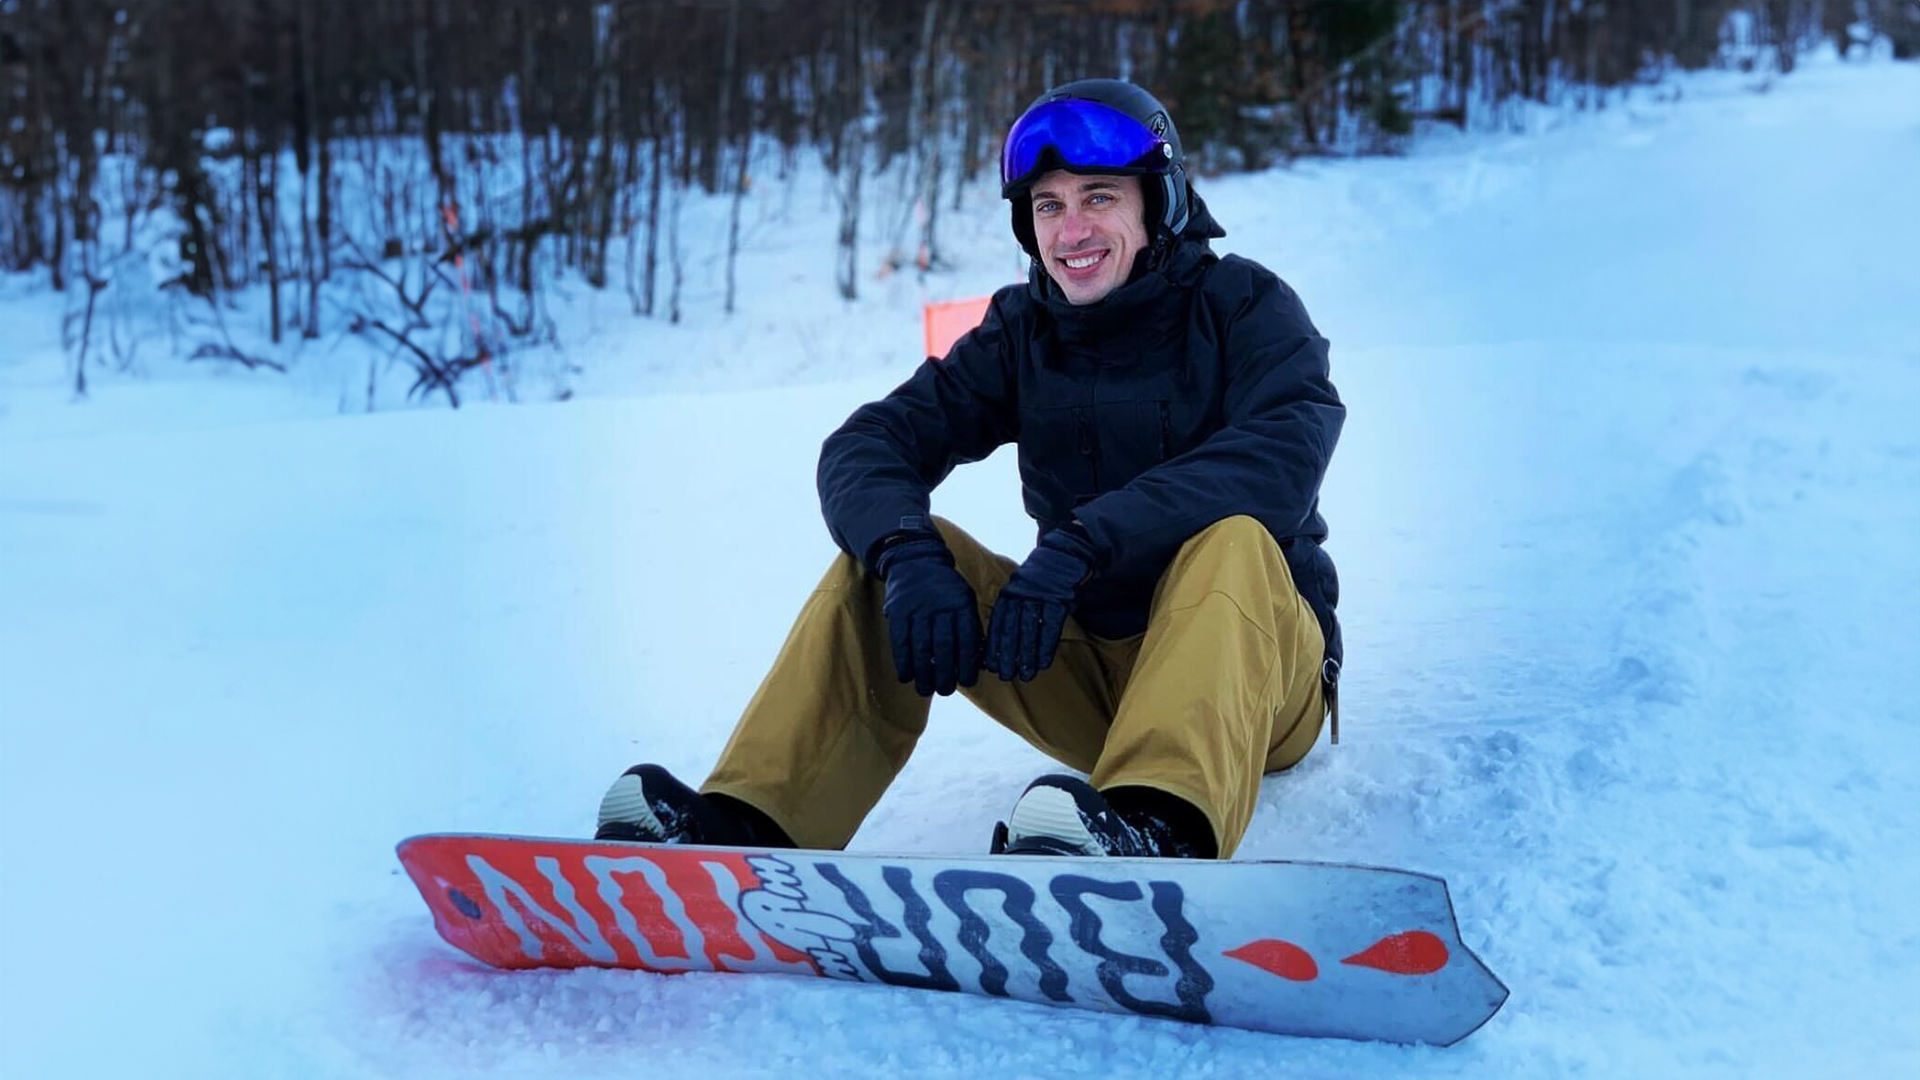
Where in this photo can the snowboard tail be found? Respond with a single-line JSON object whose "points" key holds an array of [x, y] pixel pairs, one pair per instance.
{"points": [[1294, 948]]}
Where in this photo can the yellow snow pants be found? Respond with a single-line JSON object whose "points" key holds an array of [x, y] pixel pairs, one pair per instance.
{"points": [[1222, 687]]}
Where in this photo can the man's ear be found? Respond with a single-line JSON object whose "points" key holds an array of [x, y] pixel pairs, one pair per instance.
{"points": [[1153, 200], [1022, 211]]}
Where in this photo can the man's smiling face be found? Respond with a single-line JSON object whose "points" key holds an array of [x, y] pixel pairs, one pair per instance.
{"points": [[1088, 229]]}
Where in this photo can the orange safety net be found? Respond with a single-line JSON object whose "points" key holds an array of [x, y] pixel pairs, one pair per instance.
{"points": [[948, 320]]}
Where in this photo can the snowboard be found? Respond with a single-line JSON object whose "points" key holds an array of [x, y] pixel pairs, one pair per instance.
{"points": [[1295, 948]]}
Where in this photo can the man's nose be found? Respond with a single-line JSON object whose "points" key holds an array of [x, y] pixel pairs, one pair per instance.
{"points": [[1074, 228]]}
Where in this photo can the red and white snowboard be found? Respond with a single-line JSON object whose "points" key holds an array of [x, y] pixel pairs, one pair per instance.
{"points": [[1297, 948]]}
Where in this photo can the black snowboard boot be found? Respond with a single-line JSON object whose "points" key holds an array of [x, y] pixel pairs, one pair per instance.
{"points": [[1061, 815], [647, 804]]}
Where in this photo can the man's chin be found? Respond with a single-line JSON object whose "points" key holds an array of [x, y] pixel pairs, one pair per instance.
{"points": [[1080, 295]]}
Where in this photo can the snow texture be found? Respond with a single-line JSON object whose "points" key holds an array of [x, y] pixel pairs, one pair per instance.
{"points": [[1625, 510]]}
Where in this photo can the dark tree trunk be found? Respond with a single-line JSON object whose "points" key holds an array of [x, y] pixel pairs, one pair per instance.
{"points": [[654, 170], [727, 75]]}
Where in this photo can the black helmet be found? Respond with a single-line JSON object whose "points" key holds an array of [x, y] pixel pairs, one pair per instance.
{"points": [[1056, 133]]}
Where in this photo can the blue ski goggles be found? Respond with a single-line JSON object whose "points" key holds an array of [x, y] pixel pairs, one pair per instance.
{"points": [[1078, 135]]}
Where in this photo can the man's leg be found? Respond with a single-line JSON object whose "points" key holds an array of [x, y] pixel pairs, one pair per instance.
{"points": [[1064, 711], [1227, 684], [832, 725]]}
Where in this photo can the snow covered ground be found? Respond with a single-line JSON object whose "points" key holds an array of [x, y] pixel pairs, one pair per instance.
{"points": [[1625, 512]]}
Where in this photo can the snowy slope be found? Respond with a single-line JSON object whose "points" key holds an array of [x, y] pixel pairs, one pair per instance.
{"points": [[1624, 510]]}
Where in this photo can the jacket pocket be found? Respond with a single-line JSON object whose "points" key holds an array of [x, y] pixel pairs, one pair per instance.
{"points": [[1057, 457], [1134, 437]]}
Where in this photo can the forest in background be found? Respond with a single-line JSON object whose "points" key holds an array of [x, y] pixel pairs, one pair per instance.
{"points": [[415, 149]]}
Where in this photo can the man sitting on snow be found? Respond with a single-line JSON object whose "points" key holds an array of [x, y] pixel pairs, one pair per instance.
{"points": [[1172, 634]]}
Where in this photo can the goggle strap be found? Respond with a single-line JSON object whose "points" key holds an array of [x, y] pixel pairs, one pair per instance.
{"points": [[1173, 200]]}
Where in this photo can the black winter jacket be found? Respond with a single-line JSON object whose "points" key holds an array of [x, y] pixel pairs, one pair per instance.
{"points": [[1197, 391]]}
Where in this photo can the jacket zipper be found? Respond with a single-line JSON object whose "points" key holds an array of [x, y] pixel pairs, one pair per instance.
{"points": [[1083, 430]]}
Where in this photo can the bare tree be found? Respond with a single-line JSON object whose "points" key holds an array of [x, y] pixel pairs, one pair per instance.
{"points": [[853, 145], [675, 256], [727, 79]]}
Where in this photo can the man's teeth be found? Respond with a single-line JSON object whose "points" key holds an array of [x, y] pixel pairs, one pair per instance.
{"points": [[1083, 263]]}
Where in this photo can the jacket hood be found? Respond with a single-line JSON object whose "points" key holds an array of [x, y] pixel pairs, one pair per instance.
{"points": [[1201, 226]]}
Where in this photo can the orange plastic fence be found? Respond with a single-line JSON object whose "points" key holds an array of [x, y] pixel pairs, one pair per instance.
{"points": [[947, 320]]}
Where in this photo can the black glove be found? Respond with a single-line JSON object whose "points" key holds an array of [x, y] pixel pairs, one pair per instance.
{"points": [[1027, 618], [933, 620]]}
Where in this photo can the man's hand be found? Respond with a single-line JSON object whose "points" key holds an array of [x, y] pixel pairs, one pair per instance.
{"points": [[932, 618], [1024, 630]]}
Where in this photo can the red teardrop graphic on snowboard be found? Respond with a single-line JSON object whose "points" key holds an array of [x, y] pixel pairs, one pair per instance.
{"points": [[1276, 957], [1415, 952]]}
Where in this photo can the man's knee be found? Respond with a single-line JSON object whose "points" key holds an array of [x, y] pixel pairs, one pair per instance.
{"points": [[984, 569], [1229, 530], [842, 574], [947, 529], [1236, 540], [1235, 556]]}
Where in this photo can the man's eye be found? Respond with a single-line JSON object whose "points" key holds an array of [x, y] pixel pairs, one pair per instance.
{"points": [[1101, 198], [1049, 206]]}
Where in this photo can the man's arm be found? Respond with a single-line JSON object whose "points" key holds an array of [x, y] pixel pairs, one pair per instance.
{"points": [[878, 470], [1283, 417]]}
